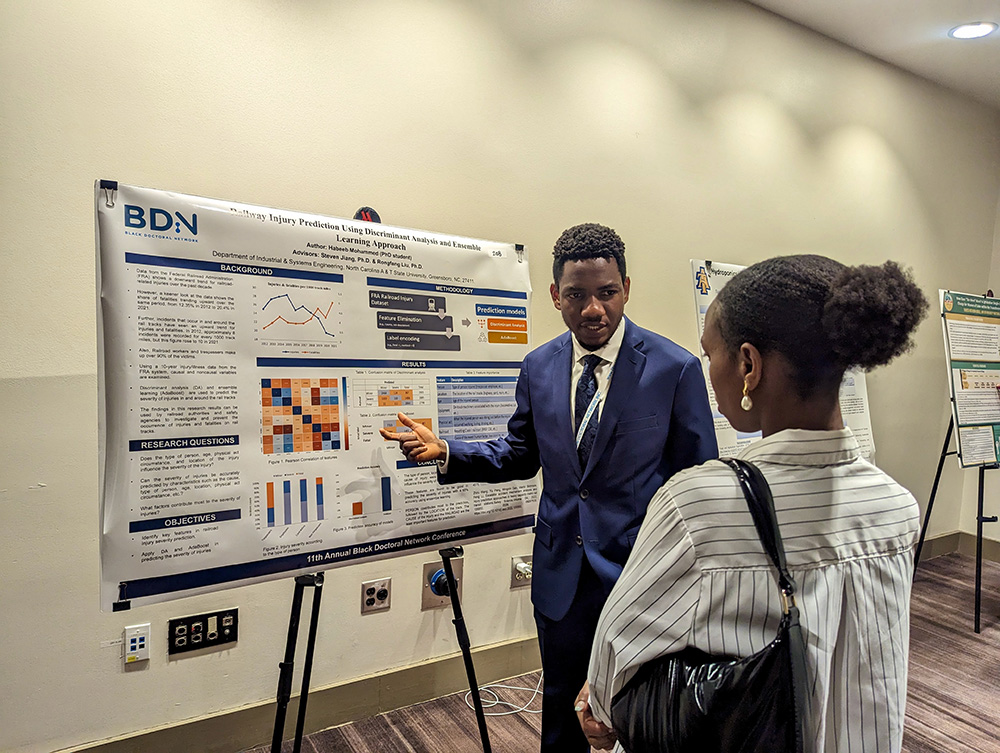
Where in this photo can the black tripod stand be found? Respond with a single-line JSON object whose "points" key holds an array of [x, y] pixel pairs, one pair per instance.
{"points": [[980, 519], [315, 581], [286, 667], [463, 642]]}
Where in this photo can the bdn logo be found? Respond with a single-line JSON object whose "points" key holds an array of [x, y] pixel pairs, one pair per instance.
{"points": [[159, 219]]}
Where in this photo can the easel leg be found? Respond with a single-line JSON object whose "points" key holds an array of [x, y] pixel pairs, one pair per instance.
{"points": [[930, 502], [979, 546], [464, 643], [287, 666], [308, 662]]}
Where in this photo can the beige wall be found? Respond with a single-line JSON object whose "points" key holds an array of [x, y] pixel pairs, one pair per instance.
{"points": [[696, 129], [991, 480]]}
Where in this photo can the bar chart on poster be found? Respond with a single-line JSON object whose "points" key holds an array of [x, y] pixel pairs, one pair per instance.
{"points": [[300, 501], [249, 356]]}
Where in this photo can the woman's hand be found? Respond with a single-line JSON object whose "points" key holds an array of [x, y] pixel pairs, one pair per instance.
{"points": [[598, 734]]}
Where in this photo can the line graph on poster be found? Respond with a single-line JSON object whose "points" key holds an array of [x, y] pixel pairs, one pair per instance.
{"points": [[302, 318]]}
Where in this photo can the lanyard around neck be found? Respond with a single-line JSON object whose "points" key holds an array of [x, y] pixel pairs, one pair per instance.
{"points": [[594, 402]]}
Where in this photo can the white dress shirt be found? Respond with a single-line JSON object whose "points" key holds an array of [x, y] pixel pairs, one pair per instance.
{"points": [[698, 576], [608, 354]]}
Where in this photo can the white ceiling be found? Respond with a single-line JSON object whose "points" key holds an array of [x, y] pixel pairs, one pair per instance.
{"points": [[911, 34]]}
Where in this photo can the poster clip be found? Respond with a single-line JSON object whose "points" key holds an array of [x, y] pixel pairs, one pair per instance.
{"points": [[519, 248], [110, 188], [123, 604]]}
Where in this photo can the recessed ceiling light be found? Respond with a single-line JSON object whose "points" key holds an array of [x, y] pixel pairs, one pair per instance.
{"points": [[972, 31]]}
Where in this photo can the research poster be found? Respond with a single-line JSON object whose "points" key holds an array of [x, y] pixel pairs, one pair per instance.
{"points": [[708, 278], [248, 357], [972, 348]]}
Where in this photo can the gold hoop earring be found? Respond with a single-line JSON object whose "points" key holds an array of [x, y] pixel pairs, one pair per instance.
{"points": [[746, 403]]}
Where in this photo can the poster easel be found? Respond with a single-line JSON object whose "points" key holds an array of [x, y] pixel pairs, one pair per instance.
{"points": [[449, 587], [971, 329], [980, 519]]}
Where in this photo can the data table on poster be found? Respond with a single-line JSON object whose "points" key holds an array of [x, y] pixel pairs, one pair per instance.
{"points": [[474, 408], [392, 393]]}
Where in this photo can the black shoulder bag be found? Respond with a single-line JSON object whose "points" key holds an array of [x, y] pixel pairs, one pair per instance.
{"points": [[692, 701]]}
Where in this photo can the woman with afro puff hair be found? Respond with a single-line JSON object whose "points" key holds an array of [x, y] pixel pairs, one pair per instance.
{"points": [[779, 338]]}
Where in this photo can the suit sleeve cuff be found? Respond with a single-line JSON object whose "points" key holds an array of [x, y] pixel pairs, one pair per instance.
{"points": [[443, 464]]}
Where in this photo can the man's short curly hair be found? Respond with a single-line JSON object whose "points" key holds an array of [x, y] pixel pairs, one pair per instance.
{"points": [[587, 241]]}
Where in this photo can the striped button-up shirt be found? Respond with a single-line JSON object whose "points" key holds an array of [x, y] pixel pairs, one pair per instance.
{"points": [[698, 576]]}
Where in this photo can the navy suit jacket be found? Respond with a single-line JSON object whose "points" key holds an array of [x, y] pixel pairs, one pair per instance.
{"points": [[655, 421]]}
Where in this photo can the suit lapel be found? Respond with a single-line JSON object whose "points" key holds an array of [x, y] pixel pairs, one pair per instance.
{"points": [[628, 368], [562, 364]]}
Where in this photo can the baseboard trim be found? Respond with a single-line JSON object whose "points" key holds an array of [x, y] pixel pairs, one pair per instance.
{"points": [[991, 548], [941, 545], [961, 542], [246, 727]]}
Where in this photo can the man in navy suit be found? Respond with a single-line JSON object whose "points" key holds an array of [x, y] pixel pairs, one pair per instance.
{"points": [[609, 411]]}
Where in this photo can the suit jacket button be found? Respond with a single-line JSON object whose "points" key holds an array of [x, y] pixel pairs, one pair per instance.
{"points": [[584, 494], [579, 540]]}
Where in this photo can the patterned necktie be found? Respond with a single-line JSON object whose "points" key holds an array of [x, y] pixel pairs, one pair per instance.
{"points": [[585, 390]]}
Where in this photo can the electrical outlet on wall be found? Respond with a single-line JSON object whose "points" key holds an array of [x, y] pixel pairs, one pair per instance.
{"points": [[520, 571], [376, 595]]}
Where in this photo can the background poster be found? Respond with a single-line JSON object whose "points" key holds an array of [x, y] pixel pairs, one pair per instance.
{"points": [[971, 325], [248, 357], [709, 277]]}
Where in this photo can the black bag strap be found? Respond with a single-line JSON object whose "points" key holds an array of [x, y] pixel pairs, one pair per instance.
{"points": [[761, 504]]}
